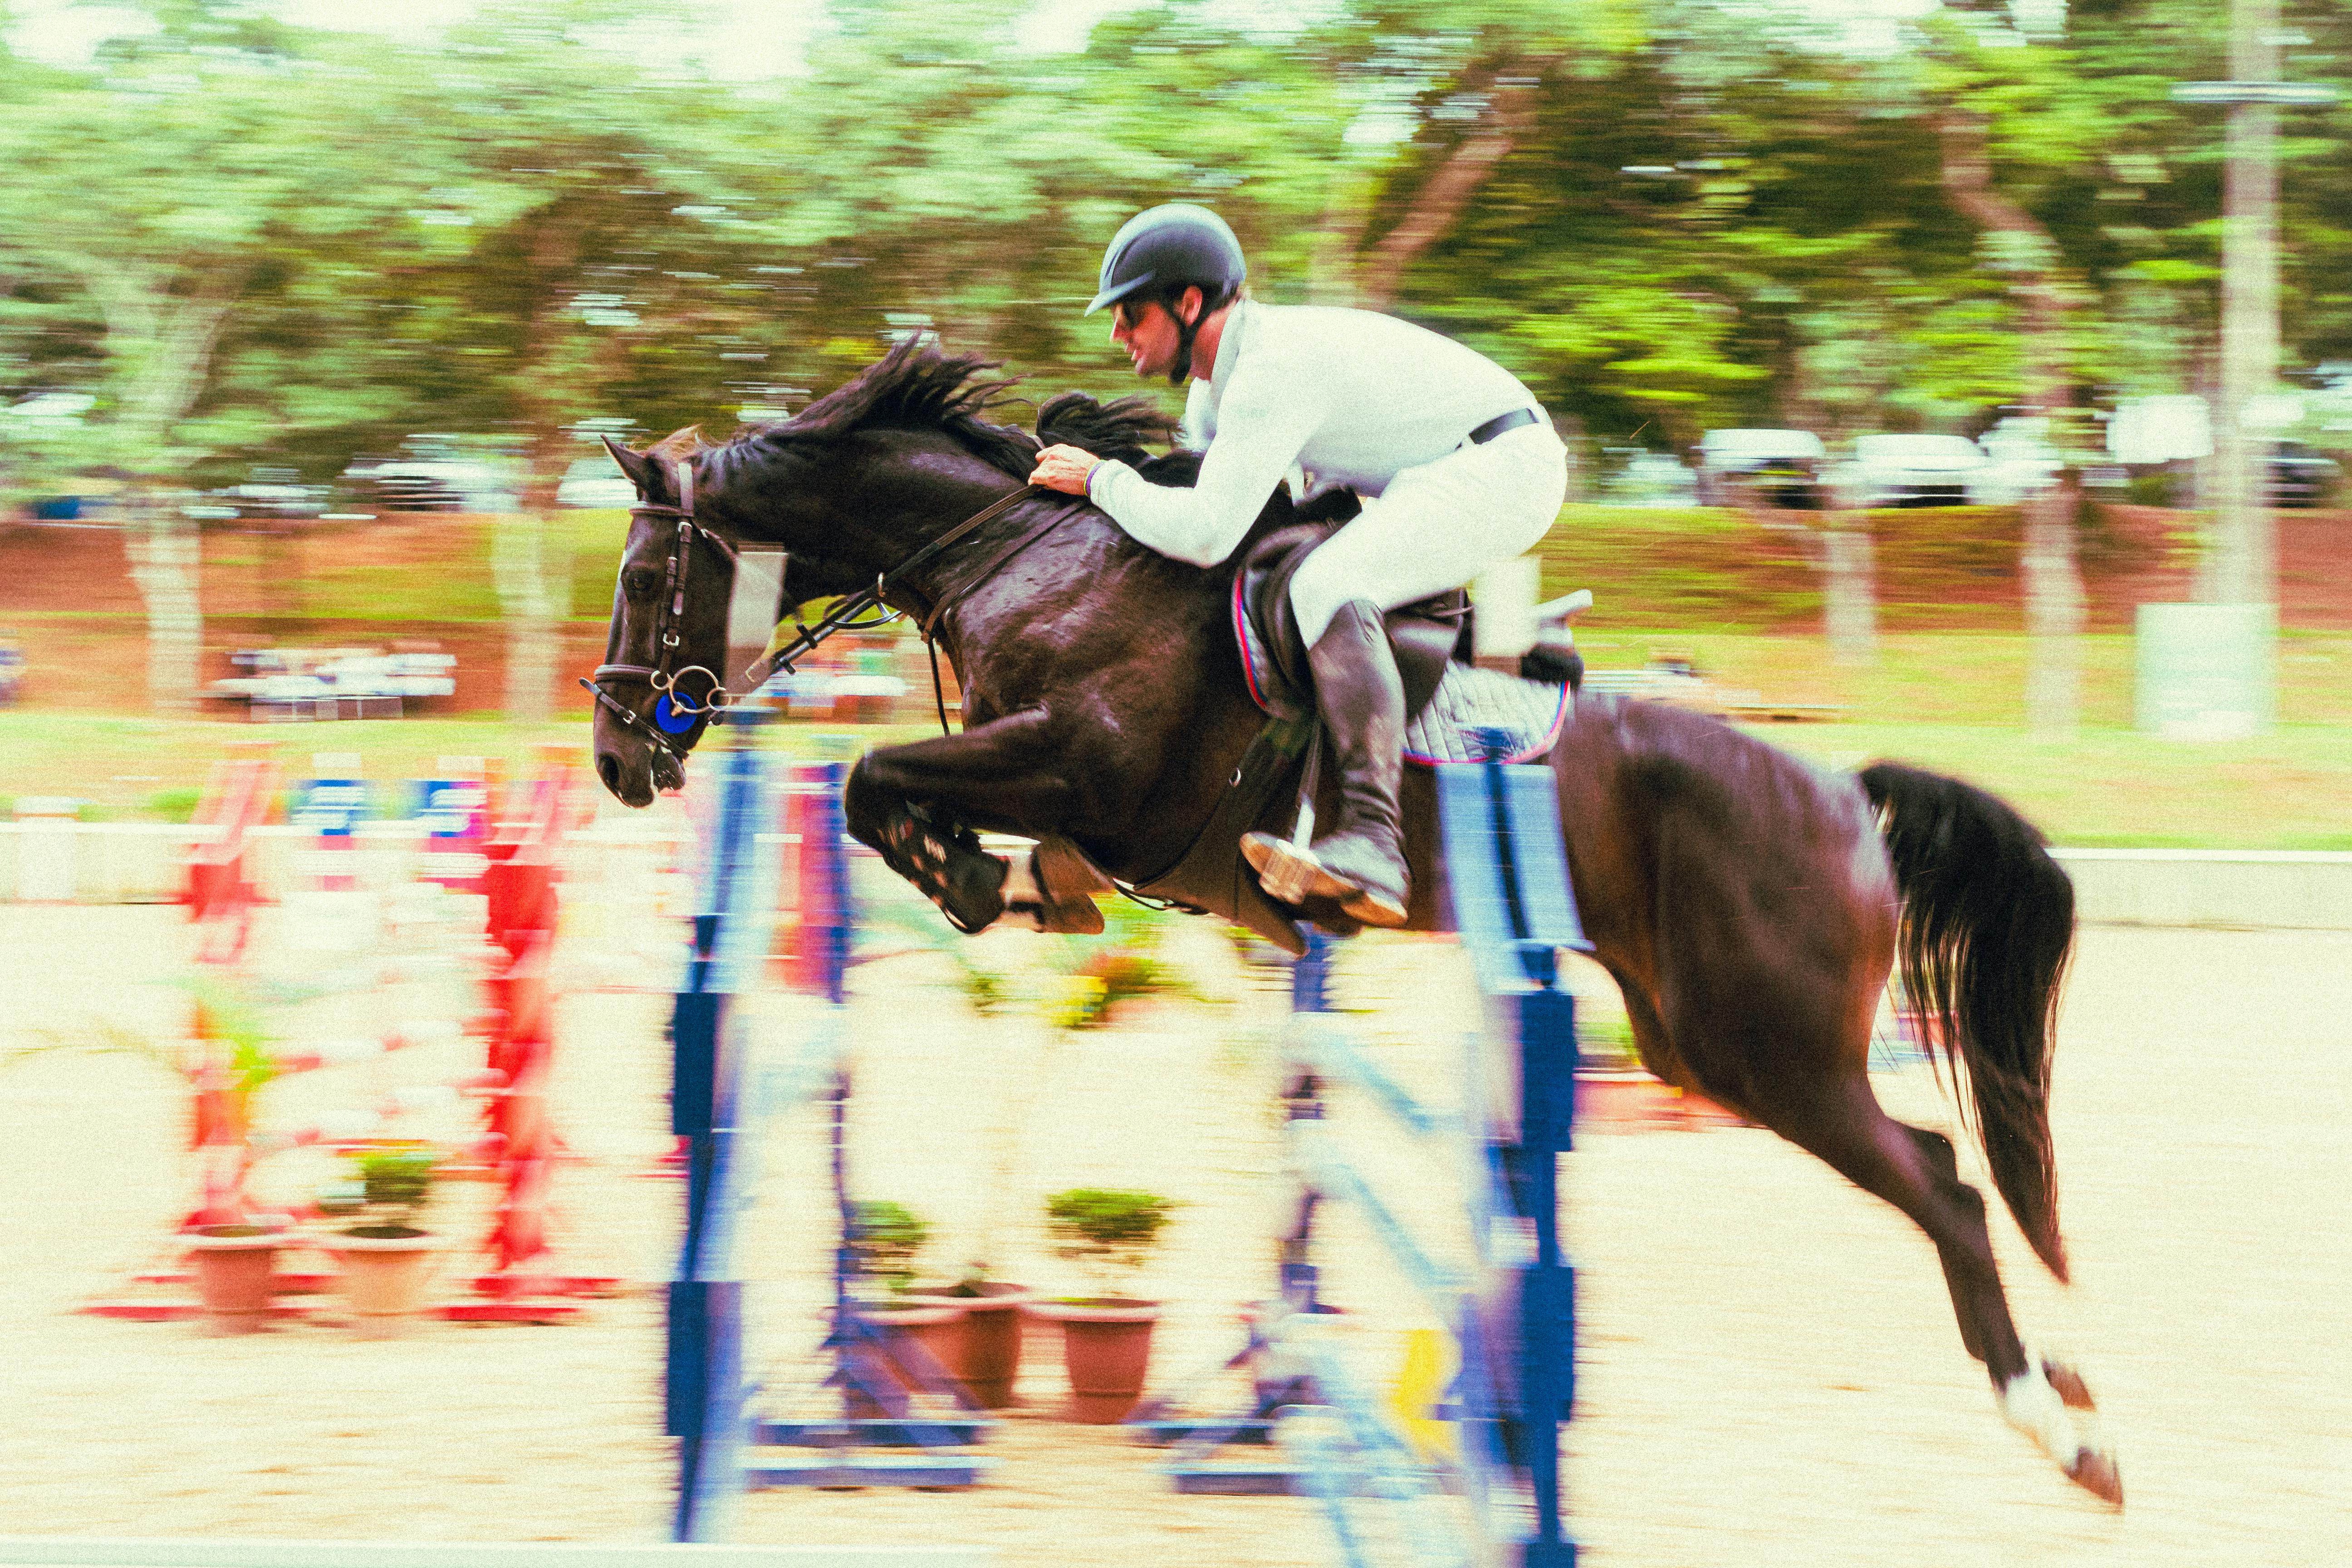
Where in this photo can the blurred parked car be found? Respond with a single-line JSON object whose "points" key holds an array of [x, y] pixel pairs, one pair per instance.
{"points": [[595, 482], [2020, 460], [426, 479], [1647, 478], [269, 493], [1912, 470], [2300, 476], [1778, 467]]}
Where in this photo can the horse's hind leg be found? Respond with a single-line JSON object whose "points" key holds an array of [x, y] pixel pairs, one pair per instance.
{"points": [[1915, 1171], [1938, 1151]]}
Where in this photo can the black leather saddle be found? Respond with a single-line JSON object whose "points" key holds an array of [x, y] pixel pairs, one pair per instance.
{"points": [[1424, 634]]}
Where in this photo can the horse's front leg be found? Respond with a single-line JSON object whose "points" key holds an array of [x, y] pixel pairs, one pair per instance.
{"points": [[917, 805]]}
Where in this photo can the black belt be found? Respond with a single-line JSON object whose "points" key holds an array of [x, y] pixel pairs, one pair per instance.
{"points": [[1500, 423]]}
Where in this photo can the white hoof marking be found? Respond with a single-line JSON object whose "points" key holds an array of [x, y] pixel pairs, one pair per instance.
{"points": [[2032, 1404]]}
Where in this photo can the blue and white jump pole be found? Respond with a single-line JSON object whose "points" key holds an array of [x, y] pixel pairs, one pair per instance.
{"points": [[725, 1088], [1512, 1312]]}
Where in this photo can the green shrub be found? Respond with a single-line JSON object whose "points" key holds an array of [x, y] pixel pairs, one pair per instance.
{"points": [[386, 1188], [1106, 1230], [1606, 1040], [885, 1238]]}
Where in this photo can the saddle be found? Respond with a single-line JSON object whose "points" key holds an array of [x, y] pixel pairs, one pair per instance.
{"points": [[1424, 634], [1452, 709]]}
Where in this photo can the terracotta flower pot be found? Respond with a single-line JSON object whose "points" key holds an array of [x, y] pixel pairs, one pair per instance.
{"points": [[911, 1331], [1106, 1350], [984, 1352], [235, 1267], [382, 1278]]}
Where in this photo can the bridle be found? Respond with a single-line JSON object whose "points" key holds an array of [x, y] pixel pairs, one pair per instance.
{"points": [[668, 703], [861, 611]]}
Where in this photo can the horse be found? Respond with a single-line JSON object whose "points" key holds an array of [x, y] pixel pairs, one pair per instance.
{"points": [[1750, 905]]}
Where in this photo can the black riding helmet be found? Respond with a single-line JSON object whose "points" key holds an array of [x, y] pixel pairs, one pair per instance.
{"points": [[1164, 249]]}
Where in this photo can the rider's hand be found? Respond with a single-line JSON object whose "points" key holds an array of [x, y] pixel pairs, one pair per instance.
{"points": [[1065, 469]]}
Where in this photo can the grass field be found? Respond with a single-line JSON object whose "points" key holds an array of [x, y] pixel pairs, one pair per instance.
{"points": [[1947, 701], [1958, 678]]}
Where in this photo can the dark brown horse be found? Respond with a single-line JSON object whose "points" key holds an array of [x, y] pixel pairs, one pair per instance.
{"points": [[1750, 905]]}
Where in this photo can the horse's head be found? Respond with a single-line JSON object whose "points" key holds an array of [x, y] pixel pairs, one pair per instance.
{"points": [[851, 489], [668, 643]]}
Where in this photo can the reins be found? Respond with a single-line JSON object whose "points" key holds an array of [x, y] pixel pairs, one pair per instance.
{"points": [[843, 616], [658, 675]]}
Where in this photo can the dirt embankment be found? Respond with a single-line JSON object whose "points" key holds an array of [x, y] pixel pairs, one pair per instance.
{"points": [[1936, 568], [69, 598]]}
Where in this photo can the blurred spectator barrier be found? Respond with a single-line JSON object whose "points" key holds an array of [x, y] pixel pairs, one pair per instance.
{"points": [[296, 684], [135, 862]]}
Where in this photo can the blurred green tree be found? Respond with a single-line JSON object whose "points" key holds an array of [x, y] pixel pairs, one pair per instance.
{"points": [[193, 171], [249, 242]]}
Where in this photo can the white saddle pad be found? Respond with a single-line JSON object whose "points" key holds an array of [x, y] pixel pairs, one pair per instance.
{"points": [[1529, 712]]}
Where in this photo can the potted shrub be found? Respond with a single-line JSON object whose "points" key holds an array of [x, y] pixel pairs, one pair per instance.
{"points": [[1106, 1335], [385, 1258], [235, 1271], [983, 1352], [885, 1239], [232, 1253]]}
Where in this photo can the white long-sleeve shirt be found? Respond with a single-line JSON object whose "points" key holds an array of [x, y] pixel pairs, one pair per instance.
{"points": [[1352, 398]]}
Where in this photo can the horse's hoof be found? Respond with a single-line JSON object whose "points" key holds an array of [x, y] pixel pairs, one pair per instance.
{"points": [[2071, 1389], [971, 893], [2094, 1471]]}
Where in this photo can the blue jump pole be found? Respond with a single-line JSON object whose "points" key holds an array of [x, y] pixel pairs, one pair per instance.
{"points": [[1515, 1314], [707, 1389], [1515, 908]]}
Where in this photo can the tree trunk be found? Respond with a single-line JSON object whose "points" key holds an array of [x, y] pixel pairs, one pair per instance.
{"points": [[533, 571], [166, 561], [530, 552], [2054, 608], [2053, 581], [1437, 206], [162, 347], [1849, 590]]}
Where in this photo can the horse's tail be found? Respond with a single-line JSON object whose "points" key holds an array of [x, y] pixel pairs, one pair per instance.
{"points": [[1987, 927]]}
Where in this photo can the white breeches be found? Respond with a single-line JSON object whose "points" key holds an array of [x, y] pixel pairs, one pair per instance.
{"points": [[1436, 527]]}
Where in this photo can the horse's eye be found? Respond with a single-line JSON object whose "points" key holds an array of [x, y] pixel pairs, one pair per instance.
{"points": [[640, 582]]}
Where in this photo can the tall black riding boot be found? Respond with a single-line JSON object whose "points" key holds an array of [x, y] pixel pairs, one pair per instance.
{"points": [[1360, 861]]}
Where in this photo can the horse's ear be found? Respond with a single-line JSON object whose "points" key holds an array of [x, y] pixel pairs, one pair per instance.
{"points": [[636, 465]]}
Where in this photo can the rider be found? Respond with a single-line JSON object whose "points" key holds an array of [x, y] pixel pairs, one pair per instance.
{"points": [[1455, 459]]}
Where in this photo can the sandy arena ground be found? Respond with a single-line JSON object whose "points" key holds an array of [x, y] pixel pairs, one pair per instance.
{"points": [[1770, 1371]]}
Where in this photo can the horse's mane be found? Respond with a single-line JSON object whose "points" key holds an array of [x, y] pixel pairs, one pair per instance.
{"points": [[1126, 429], [916, 387]]}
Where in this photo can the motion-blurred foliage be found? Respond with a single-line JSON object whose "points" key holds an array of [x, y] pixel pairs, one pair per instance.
{"points": [[228, 242], [252, 242]]}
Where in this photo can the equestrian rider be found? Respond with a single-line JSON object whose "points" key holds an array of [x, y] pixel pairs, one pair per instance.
{"points": [[1455, 459]]}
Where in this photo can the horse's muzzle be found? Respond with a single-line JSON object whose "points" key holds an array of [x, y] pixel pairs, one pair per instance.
{"points": [[631, 768]]}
